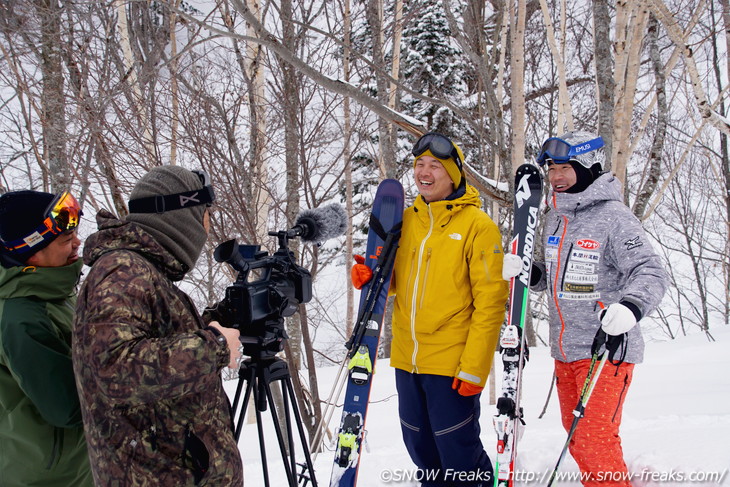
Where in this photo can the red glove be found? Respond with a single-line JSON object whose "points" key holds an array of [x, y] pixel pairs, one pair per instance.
{"points": [[466, 388], [360, 274]]}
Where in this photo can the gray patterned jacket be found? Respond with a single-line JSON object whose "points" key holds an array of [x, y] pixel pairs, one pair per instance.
{"points": [[595, 252]]}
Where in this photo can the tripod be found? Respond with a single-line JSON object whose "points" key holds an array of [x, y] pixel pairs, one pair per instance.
{"points": [[259, 374]]}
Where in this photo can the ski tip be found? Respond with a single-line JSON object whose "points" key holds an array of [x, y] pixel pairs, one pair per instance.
{"points": [[391, 187]]}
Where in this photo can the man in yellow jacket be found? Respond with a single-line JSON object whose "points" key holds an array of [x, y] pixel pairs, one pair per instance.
{"points": [[449, 306]]}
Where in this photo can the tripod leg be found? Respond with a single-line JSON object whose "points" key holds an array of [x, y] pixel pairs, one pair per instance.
{"points": [[287, 421], [260, 428], [251, 377], [280, 435], [250, 382], [300, 428]]}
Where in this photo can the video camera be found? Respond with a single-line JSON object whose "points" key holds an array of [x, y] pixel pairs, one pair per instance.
{"points": [[270, 288]]}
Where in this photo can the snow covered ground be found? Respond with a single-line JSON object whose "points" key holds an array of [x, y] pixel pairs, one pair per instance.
{"points": [[675, 431]]}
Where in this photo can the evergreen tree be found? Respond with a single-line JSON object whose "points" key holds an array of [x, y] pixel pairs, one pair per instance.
{"points": [[431, 63]]}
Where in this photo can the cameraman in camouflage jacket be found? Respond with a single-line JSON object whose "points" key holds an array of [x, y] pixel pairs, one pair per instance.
{"points": [[148, 367]]}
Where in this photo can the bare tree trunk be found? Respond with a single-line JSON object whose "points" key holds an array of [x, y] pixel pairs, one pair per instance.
{"points": [[565, 111], [631, 18], [291, 107], [53, 99], [257, 108], [252, 70], [290, 115], [137, 99], [668, 67], [517, 68], [386, 152], [386, 341], [655, 156], [605, 84], [175, 102], [726, 163], [517, 64], [347, 154], [300, 340], [395, 69], [498, 166]]}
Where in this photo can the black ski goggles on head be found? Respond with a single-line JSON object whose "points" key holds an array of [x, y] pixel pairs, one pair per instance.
{"points": [[169, 202], [62, 215], [560, 151], [439, 145]]}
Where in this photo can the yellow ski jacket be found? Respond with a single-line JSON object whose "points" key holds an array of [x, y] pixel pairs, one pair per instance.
{"points": [[449, 293]]}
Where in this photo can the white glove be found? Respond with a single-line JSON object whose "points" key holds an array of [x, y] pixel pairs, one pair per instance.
{"points": [[511, 266], [617, 319]]}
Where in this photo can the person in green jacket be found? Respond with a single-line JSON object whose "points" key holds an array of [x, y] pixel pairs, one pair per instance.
{"points": [[41, 434]]}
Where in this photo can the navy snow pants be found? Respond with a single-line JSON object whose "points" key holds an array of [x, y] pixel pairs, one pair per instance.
{"points": [[441, 431]]}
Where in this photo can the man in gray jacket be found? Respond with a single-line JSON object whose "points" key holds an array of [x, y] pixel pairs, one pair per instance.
{"points": [[600, 271]]}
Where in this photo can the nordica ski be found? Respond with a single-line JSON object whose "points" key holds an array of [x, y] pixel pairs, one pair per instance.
{"points": [[508, 422], [382, 243]]}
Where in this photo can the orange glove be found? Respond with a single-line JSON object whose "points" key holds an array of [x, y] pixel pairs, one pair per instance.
{"points": [[466, 388], [360, 274]]}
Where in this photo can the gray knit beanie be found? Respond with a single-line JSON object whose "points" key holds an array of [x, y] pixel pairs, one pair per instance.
{"points": [[179, 231]]}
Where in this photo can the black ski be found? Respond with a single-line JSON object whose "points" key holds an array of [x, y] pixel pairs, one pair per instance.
{"points": [[508, 422]]}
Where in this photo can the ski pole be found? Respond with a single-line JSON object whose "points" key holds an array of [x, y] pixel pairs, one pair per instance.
{"points": [[381, 272], [590, 383], [319, 431], [382, 269]]}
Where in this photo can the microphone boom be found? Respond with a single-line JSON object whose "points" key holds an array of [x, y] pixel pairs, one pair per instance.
{"points": [[320, 224]]}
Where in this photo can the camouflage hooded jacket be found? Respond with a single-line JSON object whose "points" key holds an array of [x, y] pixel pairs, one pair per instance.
{"points": [[147, 369]]}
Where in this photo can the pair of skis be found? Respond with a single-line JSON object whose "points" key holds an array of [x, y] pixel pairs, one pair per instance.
{"points": [[362, 347]]}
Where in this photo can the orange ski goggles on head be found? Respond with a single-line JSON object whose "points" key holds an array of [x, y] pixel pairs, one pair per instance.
{"points": [[62, 215]]}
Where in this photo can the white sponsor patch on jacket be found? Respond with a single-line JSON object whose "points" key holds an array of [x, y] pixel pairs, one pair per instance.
{"points": [[581, 268], [588, 244], [455, 236], [581, 278], [579, 296], [585, 255]]}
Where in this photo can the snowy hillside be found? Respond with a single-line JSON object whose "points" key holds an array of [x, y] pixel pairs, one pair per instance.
{"points": [[676, 422]]}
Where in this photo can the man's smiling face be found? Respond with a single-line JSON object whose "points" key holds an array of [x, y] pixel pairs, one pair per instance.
{"points": [[561, 176], [432, 180], [61, 252]]}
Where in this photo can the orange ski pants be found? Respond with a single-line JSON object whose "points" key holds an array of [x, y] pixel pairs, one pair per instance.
{"points": [[596, 445]]}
